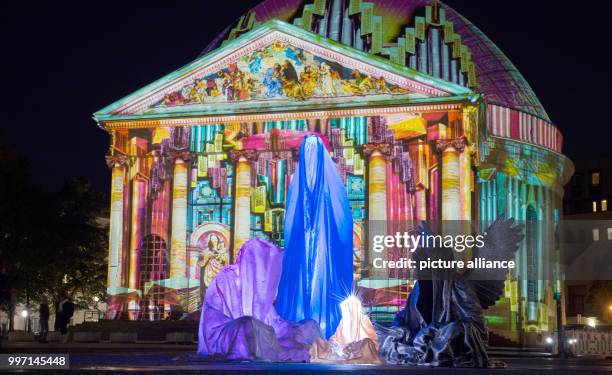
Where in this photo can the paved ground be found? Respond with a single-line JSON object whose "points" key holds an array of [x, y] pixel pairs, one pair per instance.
{"points": [[136, 362], [514, 366], [147, 357], [94, 347]]}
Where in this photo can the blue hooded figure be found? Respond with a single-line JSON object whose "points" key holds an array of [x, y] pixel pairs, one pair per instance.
{"points": [[318, 260]]}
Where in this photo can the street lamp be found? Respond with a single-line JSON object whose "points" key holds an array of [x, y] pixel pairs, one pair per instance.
{"points": [[549, 340], [26, 321], [592, 322], [97, 301]]}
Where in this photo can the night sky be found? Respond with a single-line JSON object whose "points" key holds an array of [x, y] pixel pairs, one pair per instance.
{"points": [[64, 60]]}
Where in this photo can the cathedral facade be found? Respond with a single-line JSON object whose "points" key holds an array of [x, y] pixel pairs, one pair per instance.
{"points": [[425, 118]]}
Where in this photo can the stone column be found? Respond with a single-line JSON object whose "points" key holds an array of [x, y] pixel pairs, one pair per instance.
{"points": [[377, 185], [242, 199], [420, 203], [311, 124], [323, 125], [422, 172], [139, 205], [466, 183], [377, 197], [451, 191], [138, 215], [178, 236], [117, 163], [259, 127], [450, 173]]}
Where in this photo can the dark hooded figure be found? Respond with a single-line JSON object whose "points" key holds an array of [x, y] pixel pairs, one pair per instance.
{"points": [[318, 260], [443, 321]]}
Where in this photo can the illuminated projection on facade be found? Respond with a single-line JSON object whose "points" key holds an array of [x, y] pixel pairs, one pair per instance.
{"points": [[278, 71], [201, 159]]}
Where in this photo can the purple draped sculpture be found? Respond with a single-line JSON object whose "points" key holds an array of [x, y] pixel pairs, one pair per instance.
{"points": [[238, 318]]}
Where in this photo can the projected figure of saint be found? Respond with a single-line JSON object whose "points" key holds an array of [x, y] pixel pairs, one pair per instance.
{"points": [[297, 57], [212, 261], [325, 83], [318, 260], [291, 85], [255, 62], [272, 82]]}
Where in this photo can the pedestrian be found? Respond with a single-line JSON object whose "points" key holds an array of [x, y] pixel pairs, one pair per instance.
{"points": [[43, 313], [65, 310], [5, 299]]}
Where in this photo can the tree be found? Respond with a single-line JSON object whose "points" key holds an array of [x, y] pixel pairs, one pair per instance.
{"points": [[14, 192], [80, 242], [49, 242], [600, 296]]}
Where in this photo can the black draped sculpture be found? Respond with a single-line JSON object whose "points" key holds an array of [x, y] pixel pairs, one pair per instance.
{"points": [[443, 321]]}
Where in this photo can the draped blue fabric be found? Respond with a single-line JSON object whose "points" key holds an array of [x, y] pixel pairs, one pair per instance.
{"points": [[318, 260]]}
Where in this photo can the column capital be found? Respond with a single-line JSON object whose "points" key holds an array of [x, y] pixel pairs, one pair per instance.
{"points": [[250, 155], [386, 149], [458, 144], [181, 154], [113, 161]]}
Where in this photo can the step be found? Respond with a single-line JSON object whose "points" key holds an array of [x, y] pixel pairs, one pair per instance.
{"points": [[86, 337], [179, 337], [21, 336], [124, 337]]}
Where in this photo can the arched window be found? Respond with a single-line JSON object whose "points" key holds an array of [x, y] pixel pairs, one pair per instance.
{"points": [[153, 266]]}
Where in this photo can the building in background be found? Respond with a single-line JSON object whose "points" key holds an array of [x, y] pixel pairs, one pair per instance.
{"points": [[589, 192], [586, 201], [425, 117]]}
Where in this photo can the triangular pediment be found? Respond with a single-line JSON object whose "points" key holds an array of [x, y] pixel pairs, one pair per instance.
{"points": [[278, 65]]}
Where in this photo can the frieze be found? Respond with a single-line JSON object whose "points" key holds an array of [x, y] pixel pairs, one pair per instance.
{"points": [[278, 71]]}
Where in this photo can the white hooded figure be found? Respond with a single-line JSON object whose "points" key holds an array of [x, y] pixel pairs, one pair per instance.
{"points": [[355, 339]]}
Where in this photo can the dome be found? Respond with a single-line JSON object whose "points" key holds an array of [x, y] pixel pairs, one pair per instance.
{"points": [[496, 76]]}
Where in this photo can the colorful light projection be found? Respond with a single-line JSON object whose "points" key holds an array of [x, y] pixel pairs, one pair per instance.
{"points": [[524, 182], [201, 160], [204, 190], [182, 182], [278, 71]]}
